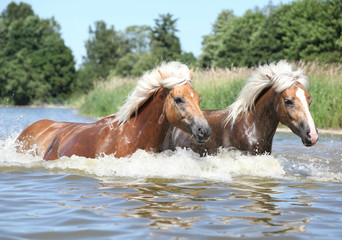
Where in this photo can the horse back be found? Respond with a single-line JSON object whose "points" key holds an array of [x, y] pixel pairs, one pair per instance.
{"points": [[36, 137]]}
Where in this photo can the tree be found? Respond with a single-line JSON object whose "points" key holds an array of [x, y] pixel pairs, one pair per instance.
{"points": [[230, 43], [189, 59], [146, 62], [138, 38], [211, 43], [302, 30], [149, 46], [15, 12], [311, 30], [235, 49], [104, 48], [36, 66], [267, 44], [126, 64], [164, 42], [138, 41]]}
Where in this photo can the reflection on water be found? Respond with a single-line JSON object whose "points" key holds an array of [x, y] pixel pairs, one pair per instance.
{"points": [[293, 194], [252, 207]]}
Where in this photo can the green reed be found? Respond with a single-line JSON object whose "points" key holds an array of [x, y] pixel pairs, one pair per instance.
{"points": [[326, 107], [107, 97], [220, 87]]}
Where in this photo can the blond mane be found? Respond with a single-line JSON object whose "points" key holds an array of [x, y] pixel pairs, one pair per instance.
{"points": [[279, 76], [176, 73]]}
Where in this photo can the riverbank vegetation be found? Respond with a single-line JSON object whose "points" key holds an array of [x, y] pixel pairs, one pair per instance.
{"points": [[37, 68], [220, 87]]}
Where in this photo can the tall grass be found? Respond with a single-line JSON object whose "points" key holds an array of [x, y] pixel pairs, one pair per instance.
{"points": [[220, 87], [326, 91], [107, 97]]}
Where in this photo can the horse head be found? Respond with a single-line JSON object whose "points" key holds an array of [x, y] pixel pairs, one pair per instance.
{"points": [[182, 110], [293, 111], [286, 90]]}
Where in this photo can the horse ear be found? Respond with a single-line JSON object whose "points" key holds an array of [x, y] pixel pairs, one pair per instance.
{"points": [[191, 74], [303, 73], [269, 77], [162, 75]]}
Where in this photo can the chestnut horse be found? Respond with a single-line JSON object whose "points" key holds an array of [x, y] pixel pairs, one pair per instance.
{"points": [[273, 93], [162, 97]]}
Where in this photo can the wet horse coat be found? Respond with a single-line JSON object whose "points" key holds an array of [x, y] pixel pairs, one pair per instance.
{"points": [[162, 97], [274, 93]]}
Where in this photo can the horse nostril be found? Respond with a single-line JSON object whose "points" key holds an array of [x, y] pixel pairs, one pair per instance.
{"points": [[200, 131]]}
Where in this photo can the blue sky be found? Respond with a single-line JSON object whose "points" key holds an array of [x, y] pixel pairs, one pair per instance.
{"points": [[195, 17]]}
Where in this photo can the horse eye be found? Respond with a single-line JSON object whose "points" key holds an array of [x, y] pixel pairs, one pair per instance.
{"points": [[288, 102], [179, 100]]}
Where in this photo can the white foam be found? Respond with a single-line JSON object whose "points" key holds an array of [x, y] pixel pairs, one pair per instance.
{"points": [[180, 164], [312, 168]]}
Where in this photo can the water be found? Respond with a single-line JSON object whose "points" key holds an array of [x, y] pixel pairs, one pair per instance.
{"points": [[294, 194]]}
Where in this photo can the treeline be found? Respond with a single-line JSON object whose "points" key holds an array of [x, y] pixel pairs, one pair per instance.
{"points": [[308, 30], [130, 52], [36, 66]]}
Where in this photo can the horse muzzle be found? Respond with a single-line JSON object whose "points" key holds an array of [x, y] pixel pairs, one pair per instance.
{"points": [[310, 138], [201, 132]]}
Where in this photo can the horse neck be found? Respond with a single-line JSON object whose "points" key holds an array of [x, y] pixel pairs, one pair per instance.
{"points": [[260, 123], [265, 114], [149, 127]]}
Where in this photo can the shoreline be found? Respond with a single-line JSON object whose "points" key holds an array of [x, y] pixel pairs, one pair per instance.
{"points": [[320, 131], [280, 129], [38, 106]]}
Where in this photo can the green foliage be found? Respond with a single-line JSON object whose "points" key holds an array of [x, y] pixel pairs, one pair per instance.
{"points": [[130, 53], [189, 59], [235, 47], [302, 30], [104, 99], [212, 42], [126, 64], [327, 105], [16, 12], [86, 77], [220, 87], [104, 48], [146, 62], [138, 38], [36, 66], [219, 96], [164, 42]]}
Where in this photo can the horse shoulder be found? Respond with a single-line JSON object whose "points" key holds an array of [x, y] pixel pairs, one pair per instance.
{"points": [[88, 140], [59, 136], [220, 131]]}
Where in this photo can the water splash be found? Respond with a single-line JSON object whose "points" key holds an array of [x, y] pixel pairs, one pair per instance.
{"points": [[180, 164]]}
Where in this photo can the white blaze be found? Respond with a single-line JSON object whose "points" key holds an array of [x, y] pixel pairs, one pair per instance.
{"points": [[313, 133]]}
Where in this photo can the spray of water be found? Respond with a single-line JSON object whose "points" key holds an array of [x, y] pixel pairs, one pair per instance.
{"points": [[180, 164]]}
